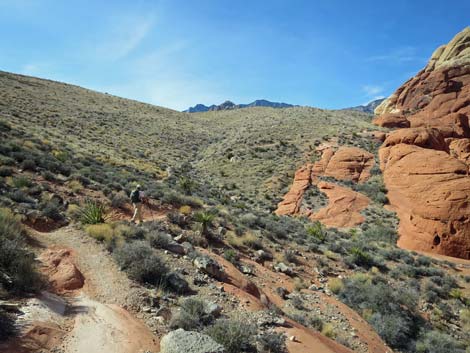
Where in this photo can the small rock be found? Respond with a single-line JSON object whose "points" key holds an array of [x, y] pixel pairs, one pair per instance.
{"points": [[282, 267], [209, 266], [246, 270]]}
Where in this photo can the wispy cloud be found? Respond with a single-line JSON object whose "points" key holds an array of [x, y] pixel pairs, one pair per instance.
{"points": [[123, 36], [372, 90], [397, 55]]}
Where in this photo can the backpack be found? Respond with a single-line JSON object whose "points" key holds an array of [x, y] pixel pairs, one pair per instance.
{"points": [[135, 196]]}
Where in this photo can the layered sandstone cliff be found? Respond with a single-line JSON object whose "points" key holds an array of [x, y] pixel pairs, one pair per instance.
{"points": [[426, 162]]}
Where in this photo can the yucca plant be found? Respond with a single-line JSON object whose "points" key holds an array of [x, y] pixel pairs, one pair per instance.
{"points": [[205, 219], [186, 184], [92, 212]]}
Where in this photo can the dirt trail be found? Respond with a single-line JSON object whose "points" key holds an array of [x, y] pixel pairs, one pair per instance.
{"points": [[93, 319]]}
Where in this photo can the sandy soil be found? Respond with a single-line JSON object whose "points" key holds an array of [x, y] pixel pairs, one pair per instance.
{"points": [[89, 320]]}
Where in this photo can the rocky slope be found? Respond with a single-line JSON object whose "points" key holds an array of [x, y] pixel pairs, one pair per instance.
{"points": [[425, 163]]}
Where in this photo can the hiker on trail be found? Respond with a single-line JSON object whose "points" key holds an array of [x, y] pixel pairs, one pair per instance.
{"points": [[137, 197]]}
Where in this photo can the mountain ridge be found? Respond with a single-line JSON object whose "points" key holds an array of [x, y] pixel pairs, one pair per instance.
{"points": [[228, 105]]}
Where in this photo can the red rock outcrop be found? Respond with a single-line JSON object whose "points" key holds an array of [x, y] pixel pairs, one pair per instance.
{"points": [[346, 163], [290, 205], [344, 207], [425, 166], [350, 163], [460, 149], [61, 269], [391, 120]]}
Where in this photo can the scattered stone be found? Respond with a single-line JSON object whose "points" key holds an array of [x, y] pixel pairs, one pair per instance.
{"points": [[246, 270], [177, 283], [209, 266], [189, 342], [283, 268]]}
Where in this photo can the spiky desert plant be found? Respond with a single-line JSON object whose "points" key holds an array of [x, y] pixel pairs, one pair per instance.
{"points": [[205, 218], [186, 184], [92, 212]]}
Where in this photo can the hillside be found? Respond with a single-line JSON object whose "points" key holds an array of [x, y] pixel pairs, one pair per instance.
{"points": [[266, 230]]}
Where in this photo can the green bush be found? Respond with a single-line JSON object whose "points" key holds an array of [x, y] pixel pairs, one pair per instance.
{"points": [[17, 270], [22, 182], [206, 220], [438, 342], [193, 315], [236, 336], [92, 212], [141, 263], [271, 343], [5, 171], [391, 311], [316, 231]]}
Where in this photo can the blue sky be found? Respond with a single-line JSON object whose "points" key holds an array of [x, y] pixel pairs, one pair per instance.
{"points": [[174, 53]]}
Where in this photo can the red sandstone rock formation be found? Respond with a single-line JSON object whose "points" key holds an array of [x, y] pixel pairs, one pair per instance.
{"points": [[426, 166], [392, 121], [347, 163], [63, 273], [344, 206]]}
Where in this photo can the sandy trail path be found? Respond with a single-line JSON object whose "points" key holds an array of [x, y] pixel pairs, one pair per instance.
{"points": [[99, 322]]}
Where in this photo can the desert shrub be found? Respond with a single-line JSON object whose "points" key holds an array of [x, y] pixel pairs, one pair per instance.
{"points": [[271, 343], [101, 231], [193, 315], [438, 342], [75, 185], [236, 336], [47, 175], [92, 212], [316, 231], [51, 209], [20, 196], [391, 311], [7, 326], [21, 182], [380, 232], [329, 331], [5, 171], [316, 322], [17, 268], [361, 257], [374, 188], [335, 285], [119, 199], [289, 256], [231, 256], [205, 219], [177, 218], [179, 200], [28, 164], [138, 259], [186, 184], [158, 239]]}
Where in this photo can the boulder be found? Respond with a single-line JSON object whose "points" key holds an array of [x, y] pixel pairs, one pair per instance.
{"points": [[392, 121], [61, 269], [177, 283], [209, 266], [283, 268], [179, 341]]}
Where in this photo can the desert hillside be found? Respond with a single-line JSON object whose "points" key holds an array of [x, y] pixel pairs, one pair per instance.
{"points": [[266, 230]]}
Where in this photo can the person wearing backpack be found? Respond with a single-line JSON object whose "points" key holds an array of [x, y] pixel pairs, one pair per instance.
{"points": [[137, 197]]}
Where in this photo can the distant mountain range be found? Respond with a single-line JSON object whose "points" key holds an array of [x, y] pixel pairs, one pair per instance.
{"points": [[228, 105], [368, 108]]}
